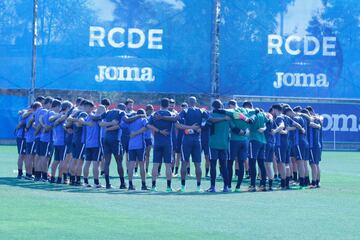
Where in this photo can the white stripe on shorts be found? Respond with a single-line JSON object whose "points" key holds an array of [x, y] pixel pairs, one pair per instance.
{"points": [[279, 154], [99, 154], [298, 148], [32, 147], [64, 155], [47, 149], [81, 152], [251, 153]]}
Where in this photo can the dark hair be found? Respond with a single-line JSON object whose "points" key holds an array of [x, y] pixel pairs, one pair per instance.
{"points": [[247, 104], [277, 107], [287, 109], [232, 102], [216, 104], [270, 109], [129, 100], [164, 102], [48, 100], [39, 99], [105, 102], [88, 103], [297, 109], [83, 101], [36, 105], [149, 107], [55, 103], [304, 110], [121, 106], [66, 105], [79, 100], [140, 111], [310, 109], [285, 105]]}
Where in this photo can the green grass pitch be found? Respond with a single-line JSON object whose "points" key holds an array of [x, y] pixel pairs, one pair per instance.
{"points": [[44, 211]]}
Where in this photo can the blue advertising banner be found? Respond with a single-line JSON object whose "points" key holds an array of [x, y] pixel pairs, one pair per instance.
{"points": [[10, 106], [15, 46], [291, 48], [109, 45], [341, 121]]}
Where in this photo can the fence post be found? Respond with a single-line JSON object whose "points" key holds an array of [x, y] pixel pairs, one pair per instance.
{"points": [[33, 61], [215, 52]]}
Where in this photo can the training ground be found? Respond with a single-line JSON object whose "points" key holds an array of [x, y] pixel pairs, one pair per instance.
{"points": [[42, 211]]}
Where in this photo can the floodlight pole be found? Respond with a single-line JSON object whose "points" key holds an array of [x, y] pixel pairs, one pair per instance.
{"points": [[215, 53], [33, 62]]}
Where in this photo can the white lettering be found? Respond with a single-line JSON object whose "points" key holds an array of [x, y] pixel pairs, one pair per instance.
{"points": [[131, 43], [111, 39], [155, 38], [287, 45], [274, 42], [300, 80], [292, 45], [97, 35], [119, 37], [329, 43], [316, 42], [113, 73]]}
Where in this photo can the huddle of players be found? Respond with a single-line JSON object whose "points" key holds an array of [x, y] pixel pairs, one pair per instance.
{"points": [[82, 135]]}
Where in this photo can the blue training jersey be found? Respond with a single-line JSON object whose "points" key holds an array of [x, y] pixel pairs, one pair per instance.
{"points": [[92, 133], [160, 139], [137, 142], [191, 116], [46, 136], [30, 133]]}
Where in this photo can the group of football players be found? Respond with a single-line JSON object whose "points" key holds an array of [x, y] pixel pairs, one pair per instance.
{"points": [[59, 141]]}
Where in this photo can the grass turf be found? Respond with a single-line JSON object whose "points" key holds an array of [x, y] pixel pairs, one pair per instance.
{"points": [[44, 211]]}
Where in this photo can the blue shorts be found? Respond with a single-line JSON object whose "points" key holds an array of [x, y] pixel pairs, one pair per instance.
{"points": [[112, 147], [239, 150], [191, 146], [125, 143], [282, 154], [93, 154], [256, 150], [221, 154], [21, 146], [302, 152], [68, 143], [148, 142], [205, 147], [178, 144], [30, 148], [315, 156], [46, 149], [137, 155], [269, 153], [78, 150], [37, 146], [162, 152], [59, 153], [293, 151]]}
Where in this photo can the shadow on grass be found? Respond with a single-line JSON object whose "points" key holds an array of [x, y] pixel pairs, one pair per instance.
{"points": [[46, 186]]}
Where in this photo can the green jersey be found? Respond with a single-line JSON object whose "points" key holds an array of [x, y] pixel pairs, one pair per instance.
{"points": [[239, 123], [220, 132], [260, 122]]}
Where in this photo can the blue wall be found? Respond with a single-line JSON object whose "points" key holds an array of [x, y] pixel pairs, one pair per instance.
{"points": [[10, 106], [317, 40]]}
